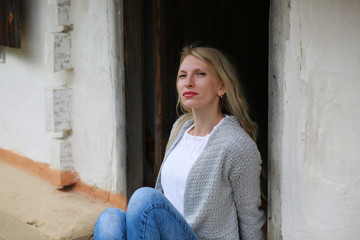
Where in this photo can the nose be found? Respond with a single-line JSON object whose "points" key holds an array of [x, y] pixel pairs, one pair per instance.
{"points": [[189, 83]]}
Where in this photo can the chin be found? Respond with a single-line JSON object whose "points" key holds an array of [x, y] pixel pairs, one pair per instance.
{"points": [[188, 104]]}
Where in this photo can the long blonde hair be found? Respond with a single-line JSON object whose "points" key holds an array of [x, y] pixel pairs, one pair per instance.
{"points": [[233, 102]]}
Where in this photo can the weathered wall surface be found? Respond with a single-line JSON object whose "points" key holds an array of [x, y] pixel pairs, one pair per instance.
{"points": [[23, 79], [97, 134], [320, 137], [98, 116], [278, 35]]}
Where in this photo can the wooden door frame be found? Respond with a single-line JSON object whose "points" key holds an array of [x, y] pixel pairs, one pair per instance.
{"points": [[134, 85], [134, 90], [159, 98]]}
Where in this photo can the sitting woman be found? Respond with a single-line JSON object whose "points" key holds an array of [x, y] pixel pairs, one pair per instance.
{"points": [[209, 183]]}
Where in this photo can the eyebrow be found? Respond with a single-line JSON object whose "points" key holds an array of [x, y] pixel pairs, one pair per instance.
{"points": [[196, 70]]}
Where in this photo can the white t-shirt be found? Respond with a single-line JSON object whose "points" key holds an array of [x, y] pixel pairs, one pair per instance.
{"points": [[178, 164]]}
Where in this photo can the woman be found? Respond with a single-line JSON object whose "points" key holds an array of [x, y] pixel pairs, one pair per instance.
{"points": [[209, 182]]}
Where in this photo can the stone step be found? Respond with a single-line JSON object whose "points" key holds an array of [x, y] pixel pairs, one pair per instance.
{"points": [[31, 208]]}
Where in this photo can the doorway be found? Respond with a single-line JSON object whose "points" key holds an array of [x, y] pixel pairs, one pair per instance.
{"points": [[155, 32]]}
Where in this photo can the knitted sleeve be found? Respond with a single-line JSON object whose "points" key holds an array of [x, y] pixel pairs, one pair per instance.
{"points": [[244, 176]]}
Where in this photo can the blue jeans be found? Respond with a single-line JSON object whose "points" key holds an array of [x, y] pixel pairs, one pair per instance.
{"points": [[149, 216]]}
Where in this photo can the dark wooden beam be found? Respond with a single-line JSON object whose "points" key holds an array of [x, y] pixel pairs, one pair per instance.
{"points": [[159, 71], [134, 67]]}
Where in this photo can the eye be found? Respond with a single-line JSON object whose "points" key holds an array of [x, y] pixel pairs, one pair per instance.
{"points": [[182, 76], [201, 74]]}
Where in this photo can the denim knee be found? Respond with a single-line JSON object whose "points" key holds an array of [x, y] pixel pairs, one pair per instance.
{"points": [[145, 192], [143, 198], [112, 214], [150, 215], [111, 224]]}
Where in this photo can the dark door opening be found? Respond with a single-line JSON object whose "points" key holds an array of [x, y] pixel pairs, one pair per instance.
{"points": [[238, 28]]}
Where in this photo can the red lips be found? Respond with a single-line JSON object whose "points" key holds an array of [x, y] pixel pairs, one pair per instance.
{"points": [[189, 94]]}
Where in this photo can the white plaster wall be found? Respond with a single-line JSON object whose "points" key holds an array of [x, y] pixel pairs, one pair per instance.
{"points": [[98, 135], [320, 185], [98, 146], [23, 78]]}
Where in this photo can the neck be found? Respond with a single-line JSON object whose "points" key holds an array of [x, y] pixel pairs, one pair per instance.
{"points": [[205, 121]]}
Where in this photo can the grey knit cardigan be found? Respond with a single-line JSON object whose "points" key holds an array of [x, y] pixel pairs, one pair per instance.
{"points": [[222, 193]]}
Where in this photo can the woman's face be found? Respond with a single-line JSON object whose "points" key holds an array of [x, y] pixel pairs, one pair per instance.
{"points": [[198, 85]]}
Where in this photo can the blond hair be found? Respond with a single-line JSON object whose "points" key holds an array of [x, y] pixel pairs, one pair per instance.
{"points": [[233, 102]]}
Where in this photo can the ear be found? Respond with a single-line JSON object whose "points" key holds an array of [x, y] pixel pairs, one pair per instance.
{"points": [[221, 91]]}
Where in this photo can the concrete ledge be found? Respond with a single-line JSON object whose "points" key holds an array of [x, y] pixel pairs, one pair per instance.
{"points": [[61, 178], [31, 208]]}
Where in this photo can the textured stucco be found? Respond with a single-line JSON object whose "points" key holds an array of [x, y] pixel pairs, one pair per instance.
{"points": [[278, 35], [97, 136], [320, 139], [98, 142], [24, 78]]}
